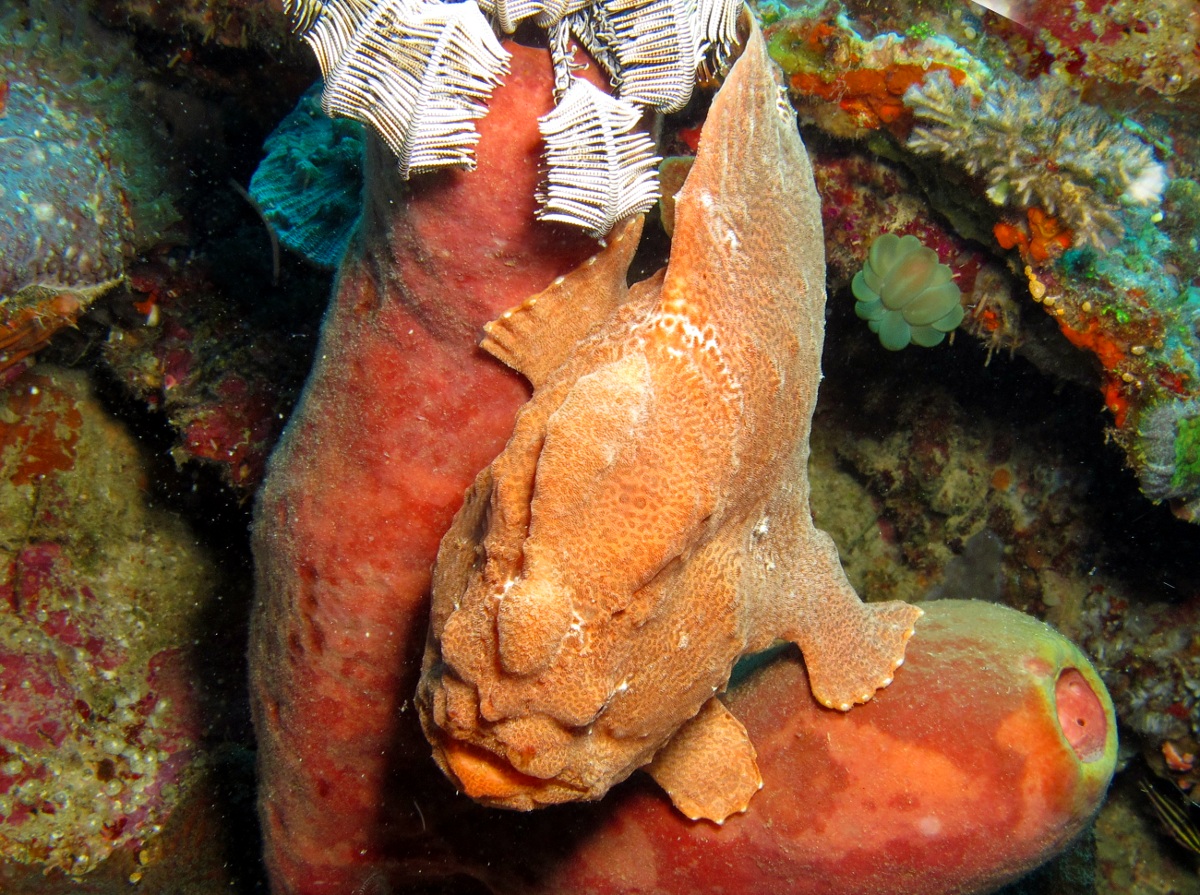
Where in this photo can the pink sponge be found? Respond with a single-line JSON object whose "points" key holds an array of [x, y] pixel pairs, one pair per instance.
{"points": [[991, 750]]}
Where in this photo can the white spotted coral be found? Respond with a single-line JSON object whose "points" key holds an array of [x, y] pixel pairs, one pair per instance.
{"points": [[905, 294], [1036, 143]]}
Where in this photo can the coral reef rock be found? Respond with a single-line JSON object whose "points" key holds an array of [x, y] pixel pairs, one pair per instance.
{"points": [[83, 186]]}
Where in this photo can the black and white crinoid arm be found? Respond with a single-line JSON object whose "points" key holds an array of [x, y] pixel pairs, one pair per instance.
{"points": [[421, 71]]}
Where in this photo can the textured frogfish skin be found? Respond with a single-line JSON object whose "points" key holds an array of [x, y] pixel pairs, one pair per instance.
{"points": [[990, 752], [401, 411], [648, 522]]}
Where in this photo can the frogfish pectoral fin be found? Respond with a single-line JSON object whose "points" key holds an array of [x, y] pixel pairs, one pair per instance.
{"points": [[848, 661]]}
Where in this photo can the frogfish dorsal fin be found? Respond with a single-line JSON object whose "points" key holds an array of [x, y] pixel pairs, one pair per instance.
{"points": [[536, 336]]}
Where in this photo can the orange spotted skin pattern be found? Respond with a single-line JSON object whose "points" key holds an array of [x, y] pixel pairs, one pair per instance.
{"points": [[648, 522]]}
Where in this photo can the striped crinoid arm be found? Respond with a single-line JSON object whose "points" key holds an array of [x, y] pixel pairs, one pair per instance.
{"points": [[658, 46], [463, 63], [327, 26], [718, 32], [418, 71], [303, 13], [546, 13], [510, 13], [590, 26], [601, 170]]}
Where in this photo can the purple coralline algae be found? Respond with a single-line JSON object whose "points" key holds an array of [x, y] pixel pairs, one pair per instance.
{"points": [[223, 383], [1146, 45], [101, 740]]}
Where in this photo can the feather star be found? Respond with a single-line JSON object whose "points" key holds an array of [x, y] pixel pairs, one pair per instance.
{"points": [[421, 71]]}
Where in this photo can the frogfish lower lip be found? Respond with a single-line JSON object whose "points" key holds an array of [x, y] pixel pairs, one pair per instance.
{"points": [[485, 776]]}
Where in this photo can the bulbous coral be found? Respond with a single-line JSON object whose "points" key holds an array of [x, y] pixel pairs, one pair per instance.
{"points": [[905, 294]]}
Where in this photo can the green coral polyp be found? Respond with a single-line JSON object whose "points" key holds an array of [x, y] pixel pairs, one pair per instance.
{"points": [[905, 294]]}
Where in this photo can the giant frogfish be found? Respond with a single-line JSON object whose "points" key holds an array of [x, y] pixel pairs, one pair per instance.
{"points": [[648, 522]]}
